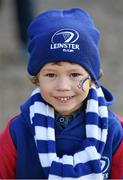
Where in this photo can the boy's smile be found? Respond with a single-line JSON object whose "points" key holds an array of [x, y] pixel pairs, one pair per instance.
{"points": [[64, 99], [59, 86]]}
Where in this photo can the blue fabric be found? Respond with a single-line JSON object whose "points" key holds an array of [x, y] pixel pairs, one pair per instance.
{"points": [[63, 121], [64, 35], [68, 141], [94, 142]]}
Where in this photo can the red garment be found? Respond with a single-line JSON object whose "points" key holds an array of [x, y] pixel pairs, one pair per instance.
{"points": [[121, 118], [117, 163], [8, 159], [117, 160]]}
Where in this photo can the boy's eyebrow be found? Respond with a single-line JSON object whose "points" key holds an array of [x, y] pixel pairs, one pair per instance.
{"points": [[74, 70], [48, 69]]}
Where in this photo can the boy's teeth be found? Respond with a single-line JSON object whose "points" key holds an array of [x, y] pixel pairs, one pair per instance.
{"points": [[64, 98]]}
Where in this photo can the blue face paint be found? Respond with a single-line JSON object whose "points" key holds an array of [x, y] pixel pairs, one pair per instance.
{"points": [[82, 81]]}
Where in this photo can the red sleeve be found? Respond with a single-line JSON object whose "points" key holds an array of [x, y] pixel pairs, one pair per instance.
{"points": [[117, 160], [117, 163], [121, 119], [7, 155]]}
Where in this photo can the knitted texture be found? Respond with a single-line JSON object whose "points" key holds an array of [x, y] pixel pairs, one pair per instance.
{"points": [[64, 35], [85, 163]]}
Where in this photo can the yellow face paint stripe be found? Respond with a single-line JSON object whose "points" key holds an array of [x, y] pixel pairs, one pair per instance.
{"points": [[82, 82]]}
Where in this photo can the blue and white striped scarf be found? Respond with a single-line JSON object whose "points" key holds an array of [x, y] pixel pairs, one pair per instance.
{"points": [[84, 164]]}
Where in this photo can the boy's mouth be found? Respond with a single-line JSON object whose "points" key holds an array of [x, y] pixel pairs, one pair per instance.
{"points": [[64, 98]]}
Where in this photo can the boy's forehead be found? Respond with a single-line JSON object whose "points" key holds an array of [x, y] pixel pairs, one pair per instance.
{"points": [[65, 65], [62, 63]]}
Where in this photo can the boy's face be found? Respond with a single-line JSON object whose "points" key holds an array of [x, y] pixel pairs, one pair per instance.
{"points": [[59, 86]]}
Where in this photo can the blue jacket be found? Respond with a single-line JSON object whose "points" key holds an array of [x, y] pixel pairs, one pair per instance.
{"points": [[68, 141]]}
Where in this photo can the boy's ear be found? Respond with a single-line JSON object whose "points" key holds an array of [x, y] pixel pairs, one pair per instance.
{"points": [[37, 77], [90, 81], [101, 73]]}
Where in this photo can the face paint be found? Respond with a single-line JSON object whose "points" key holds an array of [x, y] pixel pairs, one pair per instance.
{"points": [[82, 82]]}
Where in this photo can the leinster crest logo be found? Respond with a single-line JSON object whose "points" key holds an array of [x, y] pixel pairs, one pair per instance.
{"points": [[65, 36], [65, 39]]}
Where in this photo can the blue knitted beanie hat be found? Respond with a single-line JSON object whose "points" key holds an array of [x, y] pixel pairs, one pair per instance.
{"points": [[64, 35]]}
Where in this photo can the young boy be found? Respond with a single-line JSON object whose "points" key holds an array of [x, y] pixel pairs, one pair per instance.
{"points": [[65, 129]]}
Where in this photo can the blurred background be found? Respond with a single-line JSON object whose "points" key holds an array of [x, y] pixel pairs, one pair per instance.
{"points": [[15, 85]]}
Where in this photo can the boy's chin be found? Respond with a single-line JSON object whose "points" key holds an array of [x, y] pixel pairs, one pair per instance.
{"points": [[65, 112]]}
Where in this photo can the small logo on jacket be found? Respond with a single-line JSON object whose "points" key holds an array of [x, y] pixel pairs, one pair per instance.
{"points": [[65, 39], [105, 163]]}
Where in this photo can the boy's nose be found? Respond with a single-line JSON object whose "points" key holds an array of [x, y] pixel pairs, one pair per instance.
{"points": [[63, 84]]}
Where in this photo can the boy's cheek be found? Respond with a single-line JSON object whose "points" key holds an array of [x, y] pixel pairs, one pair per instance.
{"points": [[86, 86]]}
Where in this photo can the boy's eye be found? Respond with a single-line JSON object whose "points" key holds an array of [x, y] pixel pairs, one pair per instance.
{"points": [[75, 75], [50, 75]]}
